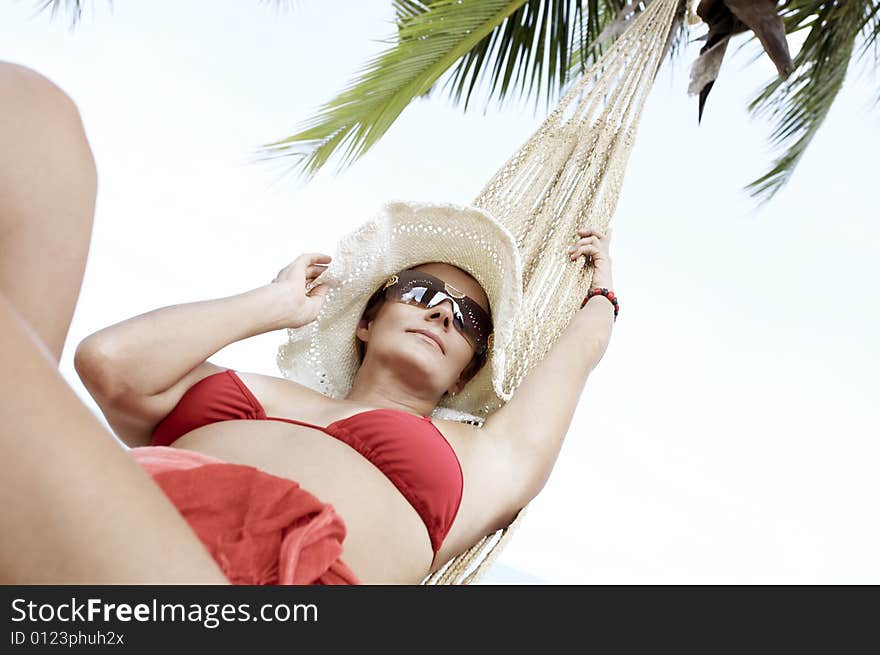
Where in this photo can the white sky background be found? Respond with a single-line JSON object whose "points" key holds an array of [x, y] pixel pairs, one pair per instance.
{"points": [[727, 436]]}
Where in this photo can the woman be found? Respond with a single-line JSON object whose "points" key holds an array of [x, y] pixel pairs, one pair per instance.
{"points": [[396, 491]]}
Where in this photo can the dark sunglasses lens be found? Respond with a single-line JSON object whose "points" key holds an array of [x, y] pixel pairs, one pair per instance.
{"points": [[414, 296], [468, 318], [460, 318]]}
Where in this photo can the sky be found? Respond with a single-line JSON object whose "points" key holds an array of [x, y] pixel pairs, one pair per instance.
{"points": [[727, 436]]}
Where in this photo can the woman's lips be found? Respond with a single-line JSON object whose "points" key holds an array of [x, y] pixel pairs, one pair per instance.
{"points": [[429, 339]]}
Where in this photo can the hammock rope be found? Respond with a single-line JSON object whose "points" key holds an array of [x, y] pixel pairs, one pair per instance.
{"points": [[566, 176]]}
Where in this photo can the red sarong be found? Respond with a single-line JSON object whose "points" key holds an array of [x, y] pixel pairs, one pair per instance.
{"points": [[261, 529]]}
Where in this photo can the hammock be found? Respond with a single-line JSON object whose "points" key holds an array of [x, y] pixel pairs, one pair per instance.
{"points": [[567, 175]]}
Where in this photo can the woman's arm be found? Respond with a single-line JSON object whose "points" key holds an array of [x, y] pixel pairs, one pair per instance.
{"points": [[532, 425], [149, 353], [138, 370], [527, 432]]}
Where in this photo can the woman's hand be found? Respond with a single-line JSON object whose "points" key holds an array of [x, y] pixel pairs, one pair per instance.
{"points": [[293, 306], [594, 244]]}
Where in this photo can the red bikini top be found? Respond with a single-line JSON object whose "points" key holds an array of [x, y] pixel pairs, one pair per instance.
{"points": [[408, 449]]}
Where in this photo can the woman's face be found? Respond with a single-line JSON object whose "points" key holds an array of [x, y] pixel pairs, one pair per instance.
{"points": [[393, 336]]}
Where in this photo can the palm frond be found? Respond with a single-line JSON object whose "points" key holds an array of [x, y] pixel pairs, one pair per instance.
{"points": [[606, 21], [871, 28], [536, 29], [801, 104], [427, 45], [871, 36], [73, 7], [522, 45], [408, 9], [557, 31]]}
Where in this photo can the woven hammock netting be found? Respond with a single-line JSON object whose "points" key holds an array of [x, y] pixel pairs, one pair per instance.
{"points": [[567, 175]]}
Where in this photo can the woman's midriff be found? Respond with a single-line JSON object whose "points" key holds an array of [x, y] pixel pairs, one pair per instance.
{"points": [[386, 540]]}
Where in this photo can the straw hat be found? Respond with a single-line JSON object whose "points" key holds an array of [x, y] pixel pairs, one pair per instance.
{"points": [[323, 354]]}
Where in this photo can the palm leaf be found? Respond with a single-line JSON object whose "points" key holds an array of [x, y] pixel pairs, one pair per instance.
{"points": [[520, 44], [871, 35], [74, 7], [407, 9], [539, 27], [801, 104], [427, 45], [601, 29]]}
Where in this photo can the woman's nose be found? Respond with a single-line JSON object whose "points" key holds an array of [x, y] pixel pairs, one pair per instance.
{"points": [[443, 310]]}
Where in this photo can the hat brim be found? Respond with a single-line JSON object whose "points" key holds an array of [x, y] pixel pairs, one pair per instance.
{"points": [[323, 354]]}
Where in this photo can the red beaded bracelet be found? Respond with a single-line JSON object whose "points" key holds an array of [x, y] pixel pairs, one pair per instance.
{"points": [[596, 291]]}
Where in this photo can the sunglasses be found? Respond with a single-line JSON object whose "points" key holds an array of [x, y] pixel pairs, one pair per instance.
{"points": [[419, 288]]}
